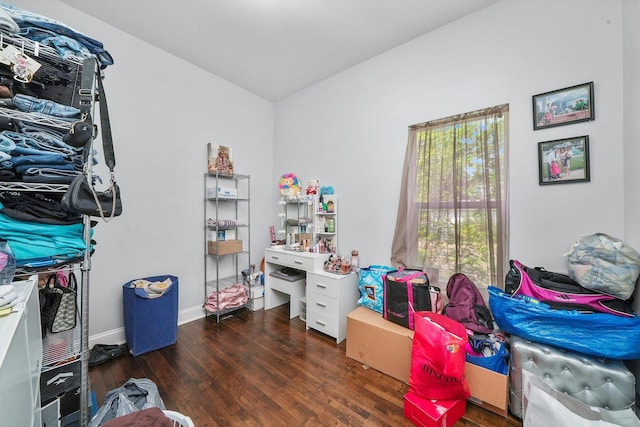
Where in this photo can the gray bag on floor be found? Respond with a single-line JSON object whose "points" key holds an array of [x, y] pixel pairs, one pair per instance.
{"points": [[136, 394]]}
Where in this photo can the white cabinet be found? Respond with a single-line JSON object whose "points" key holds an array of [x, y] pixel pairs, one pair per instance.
{"points": [[21, 358], [330, 297]]}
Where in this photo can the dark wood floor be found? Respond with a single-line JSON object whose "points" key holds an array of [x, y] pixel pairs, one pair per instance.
{"points": [[262, 369]]}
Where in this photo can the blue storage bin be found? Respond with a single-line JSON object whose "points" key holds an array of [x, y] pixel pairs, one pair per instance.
{"points": [[150, 323]]}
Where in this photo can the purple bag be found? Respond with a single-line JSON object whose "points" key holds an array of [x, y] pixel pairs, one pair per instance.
{"points": [[560, 291], [466, 305]]}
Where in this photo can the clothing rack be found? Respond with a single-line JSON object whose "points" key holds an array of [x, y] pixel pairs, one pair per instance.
{"points": [[34, 48], [81, 348]]}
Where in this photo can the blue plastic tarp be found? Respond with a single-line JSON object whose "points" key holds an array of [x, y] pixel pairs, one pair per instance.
{"points": [[597, 334]]}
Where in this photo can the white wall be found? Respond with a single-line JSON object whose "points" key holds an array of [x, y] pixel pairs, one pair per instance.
{"points": [[163, 112], [631, 85], [631, 52], [350, 130]]}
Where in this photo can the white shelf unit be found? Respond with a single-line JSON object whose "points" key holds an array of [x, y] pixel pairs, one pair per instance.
{"points": [[296, 225], [326, 223], [226, 213]]}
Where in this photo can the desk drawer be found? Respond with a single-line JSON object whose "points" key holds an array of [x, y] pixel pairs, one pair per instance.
{"points": [[277, 258], [322, 304], [289, 260], [300, 263], [323, 285], [321, 322]]}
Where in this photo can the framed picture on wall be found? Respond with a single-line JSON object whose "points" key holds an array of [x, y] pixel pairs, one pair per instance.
{"points": [[562, 161], [563, 106]]}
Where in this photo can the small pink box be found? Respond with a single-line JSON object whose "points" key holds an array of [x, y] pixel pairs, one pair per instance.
{"points": [[433, 413]]}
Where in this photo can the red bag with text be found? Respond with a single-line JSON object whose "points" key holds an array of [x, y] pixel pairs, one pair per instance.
{"points": [[438, 358]]}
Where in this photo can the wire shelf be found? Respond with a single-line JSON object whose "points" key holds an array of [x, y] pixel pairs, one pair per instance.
{"points": [[61, 346]]}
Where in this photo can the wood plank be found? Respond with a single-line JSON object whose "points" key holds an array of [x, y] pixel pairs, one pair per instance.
{"points": [[263, 369]]}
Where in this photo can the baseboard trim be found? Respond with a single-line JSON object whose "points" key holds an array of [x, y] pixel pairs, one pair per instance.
{"points": [[117, 336]]}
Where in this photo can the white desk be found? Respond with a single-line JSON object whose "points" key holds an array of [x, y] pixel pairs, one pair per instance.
{"points": [[278, 292], [330, 297]]}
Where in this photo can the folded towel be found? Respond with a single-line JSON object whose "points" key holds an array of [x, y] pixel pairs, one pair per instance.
{"points": [[9, 300], [5, 290]]}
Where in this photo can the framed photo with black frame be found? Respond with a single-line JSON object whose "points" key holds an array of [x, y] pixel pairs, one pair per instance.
{"points": [[563, 106], [563, 161]]}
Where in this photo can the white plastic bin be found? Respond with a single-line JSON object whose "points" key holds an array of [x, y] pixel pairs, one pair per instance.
{"points": [[178, 419]]}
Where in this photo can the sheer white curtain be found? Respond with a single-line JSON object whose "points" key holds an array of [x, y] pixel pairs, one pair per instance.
{"points": [[452, 214]]}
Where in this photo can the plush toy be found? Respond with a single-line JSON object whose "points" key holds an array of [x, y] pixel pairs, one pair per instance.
{"points": [[326, 189], [289, 185], [313, 187]]}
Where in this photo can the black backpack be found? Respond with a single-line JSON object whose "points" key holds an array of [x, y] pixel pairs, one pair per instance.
{"points": [[466, 305]]}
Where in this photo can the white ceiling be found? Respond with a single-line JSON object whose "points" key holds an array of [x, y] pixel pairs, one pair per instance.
{"points": [[274, 48]]}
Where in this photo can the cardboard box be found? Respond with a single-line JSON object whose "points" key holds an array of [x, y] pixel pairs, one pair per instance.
{"points": [[58, 381], [222, 193], [378, 343], [368, 332], [221, 235], [224, 247], [432, 413], [489, 389], [227, 193]]}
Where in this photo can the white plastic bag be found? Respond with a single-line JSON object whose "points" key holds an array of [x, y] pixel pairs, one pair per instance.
{"points": [[544, 406], [135, 395], [605, 264]]}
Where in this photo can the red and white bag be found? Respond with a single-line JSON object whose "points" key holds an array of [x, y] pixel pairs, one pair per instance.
{"points": [[438, 358]]}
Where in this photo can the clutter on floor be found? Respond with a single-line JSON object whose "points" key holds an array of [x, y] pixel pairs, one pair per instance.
{"points": [[556, 328], [101, 353], [137, 403]]}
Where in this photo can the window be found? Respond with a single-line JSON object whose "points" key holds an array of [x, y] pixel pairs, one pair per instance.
{"points": [[452, 215]]}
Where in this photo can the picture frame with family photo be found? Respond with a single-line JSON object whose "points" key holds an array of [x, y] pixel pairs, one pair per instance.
{"points": [[563, 161]]}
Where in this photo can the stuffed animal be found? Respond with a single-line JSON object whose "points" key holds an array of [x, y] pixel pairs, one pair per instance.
{"points": [[289, 185], [328, 189], [313, 187]]}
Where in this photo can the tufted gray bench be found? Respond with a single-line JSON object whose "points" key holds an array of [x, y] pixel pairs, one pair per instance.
{"points": [[604, 383]]}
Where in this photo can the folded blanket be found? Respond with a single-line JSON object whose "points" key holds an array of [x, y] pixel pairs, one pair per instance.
{"points": [[231, 297]]}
